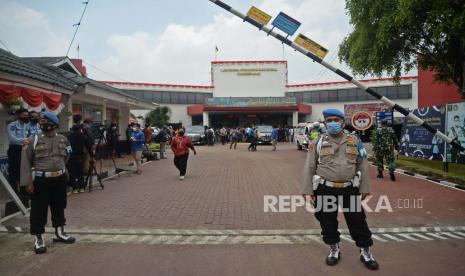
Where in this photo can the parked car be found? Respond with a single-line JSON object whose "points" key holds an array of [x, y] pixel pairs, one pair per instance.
{"points": [[264, 134], [196, 134]]}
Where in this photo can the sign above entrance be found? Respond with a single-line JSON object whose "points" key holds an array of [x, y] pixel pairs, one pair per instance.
{"points": [[362, 120], [286, 23], [258, 15], [311, 46], [250, 102]]}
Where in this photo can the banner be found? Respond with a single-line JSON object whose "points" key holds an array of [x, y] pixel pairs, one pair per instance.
{"points": [[456, 130], [372, 108], [417, 141]]}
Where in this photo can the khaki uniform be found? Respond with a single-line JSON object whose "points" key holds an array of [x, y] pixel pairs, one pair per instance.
{"points": [[339, 162], [47, 161]]}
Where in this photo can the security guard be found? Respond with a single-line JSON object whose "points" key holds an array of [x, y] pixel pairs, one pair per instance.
{"points": [[44, 156], [17, 134], [336, 169], [384, 142]]}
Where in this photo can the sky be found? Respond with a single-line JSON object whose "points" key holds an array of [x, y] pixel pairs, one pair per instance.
{"points": [[170, 42]]}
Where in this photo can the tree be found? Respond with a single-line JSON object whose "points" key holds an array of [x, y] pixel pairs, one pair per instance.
{"points": [[394, 35], [158, 117]]}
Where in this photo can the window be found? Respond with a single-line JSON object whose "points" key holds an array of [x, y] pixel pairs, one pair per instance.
{"points": [[405, 91], [198, 98], [191, 98], [147, 95], [156, 96], [314, 97], [182, 98], [323, 96], [307, 97], [391, 92], [351, 94], [174, 97], [332, 95], [165, 97]]}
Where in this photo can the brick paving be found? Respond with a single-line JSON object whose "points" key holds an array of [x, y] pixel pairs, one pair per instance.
{"points": [[224, 189]]}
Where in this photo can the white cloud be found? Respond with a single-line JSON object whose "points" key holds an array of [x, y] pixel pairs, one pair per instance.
{"points": [[182, 54], [28, 33]]}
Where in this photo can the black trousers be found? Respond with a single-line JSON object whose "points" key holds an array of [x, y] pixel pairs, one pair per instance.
{"points": [[51, 192], [355, 219], [14, 165], [181, 163], [76, 172]]}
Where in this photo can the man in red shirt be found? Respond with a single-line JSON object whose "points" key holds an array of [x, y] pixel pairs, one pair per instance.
{"points": [[180, 146]]}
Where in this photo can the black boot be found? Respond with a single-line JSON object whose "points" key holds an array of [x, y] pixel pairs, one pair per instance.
{"points": [[380, 174], [39, 244], [334, 254], [393, 177], [367, 258], [61, 236]]}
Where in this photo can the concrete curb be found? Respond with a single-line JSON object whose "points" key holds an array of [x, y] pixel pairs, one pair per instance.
{"points": [[431, 179]]}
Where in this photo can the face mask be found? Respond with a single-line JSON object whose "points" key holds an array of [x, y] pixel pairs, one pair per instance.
{"points": [[47, 127], [333, 127], [24, 120], [135, 129], [34, 120]]}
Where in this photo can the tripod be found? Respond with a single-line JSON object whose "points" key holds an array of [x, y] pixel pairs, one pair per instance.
{"points": [[92, 169]]}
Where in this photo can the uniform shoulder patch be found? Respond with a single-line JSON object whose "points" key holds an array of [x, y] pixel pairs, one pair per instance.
{"points": [[351, 139]]}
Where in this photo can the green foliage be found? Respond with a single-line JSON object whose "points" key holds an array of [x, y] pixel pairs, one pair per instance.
{"points": [[158, 117], [389, 36]]}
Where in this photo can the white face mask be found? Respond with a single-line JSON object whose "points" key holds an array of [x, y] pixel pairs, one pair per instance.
{"points": [[135, 129]]}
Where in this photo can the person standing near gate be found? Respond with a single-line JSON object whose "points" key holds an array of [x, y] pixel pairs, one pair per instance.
{"points": [[180, 146], [34, 126], [274, 137], [384, 143], [137, 146], [81, 144], [336, 169], [45, 156], [17, 133]]}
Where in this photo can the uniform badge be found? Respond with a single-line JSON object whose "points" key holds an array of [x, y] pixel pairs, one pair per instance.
{"points": [[351, 140]]}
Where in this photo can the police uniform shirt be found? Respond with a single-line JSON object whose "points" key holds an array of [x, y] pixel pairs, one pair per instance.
{"points": [[340, 159], [51, 154], [17, 132]]}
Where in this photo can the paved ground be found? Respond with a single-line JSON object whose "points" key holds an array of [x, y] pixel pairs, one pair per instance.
{"points": [[213, 223]]}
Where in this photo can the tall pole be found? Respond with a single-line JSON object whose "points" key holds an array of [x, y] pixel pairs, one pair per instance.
{"points": [[341, 73]]}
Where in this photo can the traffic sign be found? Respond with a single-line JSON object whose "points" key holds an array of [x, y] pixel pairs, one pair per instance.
{"points": [[286, 23], [258, 15], [362, 120], [311, 46]]}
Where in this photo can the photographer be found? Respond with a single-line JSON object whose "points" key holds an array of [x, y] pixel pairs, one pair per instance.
{"points": [[112, 138], [81, 145]]}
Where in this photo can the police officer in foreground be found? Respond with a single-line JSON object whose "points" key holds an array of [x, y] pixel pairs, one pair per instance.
{"points": [[337, 168], [384, 142], [44, 157]]}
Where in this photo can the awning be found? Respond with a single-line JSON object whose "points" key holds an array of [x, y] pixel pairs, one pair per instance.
{"points": [[35, 98]]}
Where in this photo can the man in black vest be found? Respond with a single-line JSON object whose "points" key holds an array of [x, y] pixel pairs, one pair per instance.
{"points": [[81, 143]]}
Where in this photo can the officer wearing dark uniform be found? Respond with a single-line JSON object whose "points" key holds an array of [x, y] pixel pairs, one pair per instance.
{"points": [[337, 169], [81, 144], [43, 173], [17, 133]]}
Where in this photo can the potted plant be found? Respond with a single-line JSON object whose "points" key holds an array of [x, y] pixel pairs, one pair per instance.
{"points": [[118, 117], [69, 113], [97, 109], [14, 104]]}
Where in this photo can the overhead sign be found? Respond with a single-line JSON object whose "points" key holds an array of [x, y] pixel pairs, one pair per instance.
{"points": [[250, 102], [258, 15], [311, 46], [286, 23], [381, 116], [362, 120]]}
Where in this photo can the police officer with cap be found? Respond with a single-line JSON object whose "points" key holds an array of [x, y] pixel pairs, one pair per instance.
{"points": [[43, 173], [336, 169]]}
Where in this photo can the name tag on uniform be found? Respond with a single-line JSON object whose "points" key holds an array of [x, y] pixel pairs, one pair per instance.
{"points": [[327, 151]]}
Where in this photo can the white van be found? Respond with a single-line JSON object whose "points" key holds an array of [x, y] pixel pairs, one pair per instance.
{"points": [[302, 134]]}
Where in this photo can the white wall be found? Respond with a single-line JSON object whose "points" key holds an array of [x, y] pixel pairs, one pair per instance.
{"points": [[229, 79], [178, 113]]}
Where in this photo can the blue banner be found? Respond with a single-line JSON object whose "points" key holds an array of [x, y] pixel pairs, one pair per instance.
{"points": [[286, 23], [456, 130], [416, 141]]}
